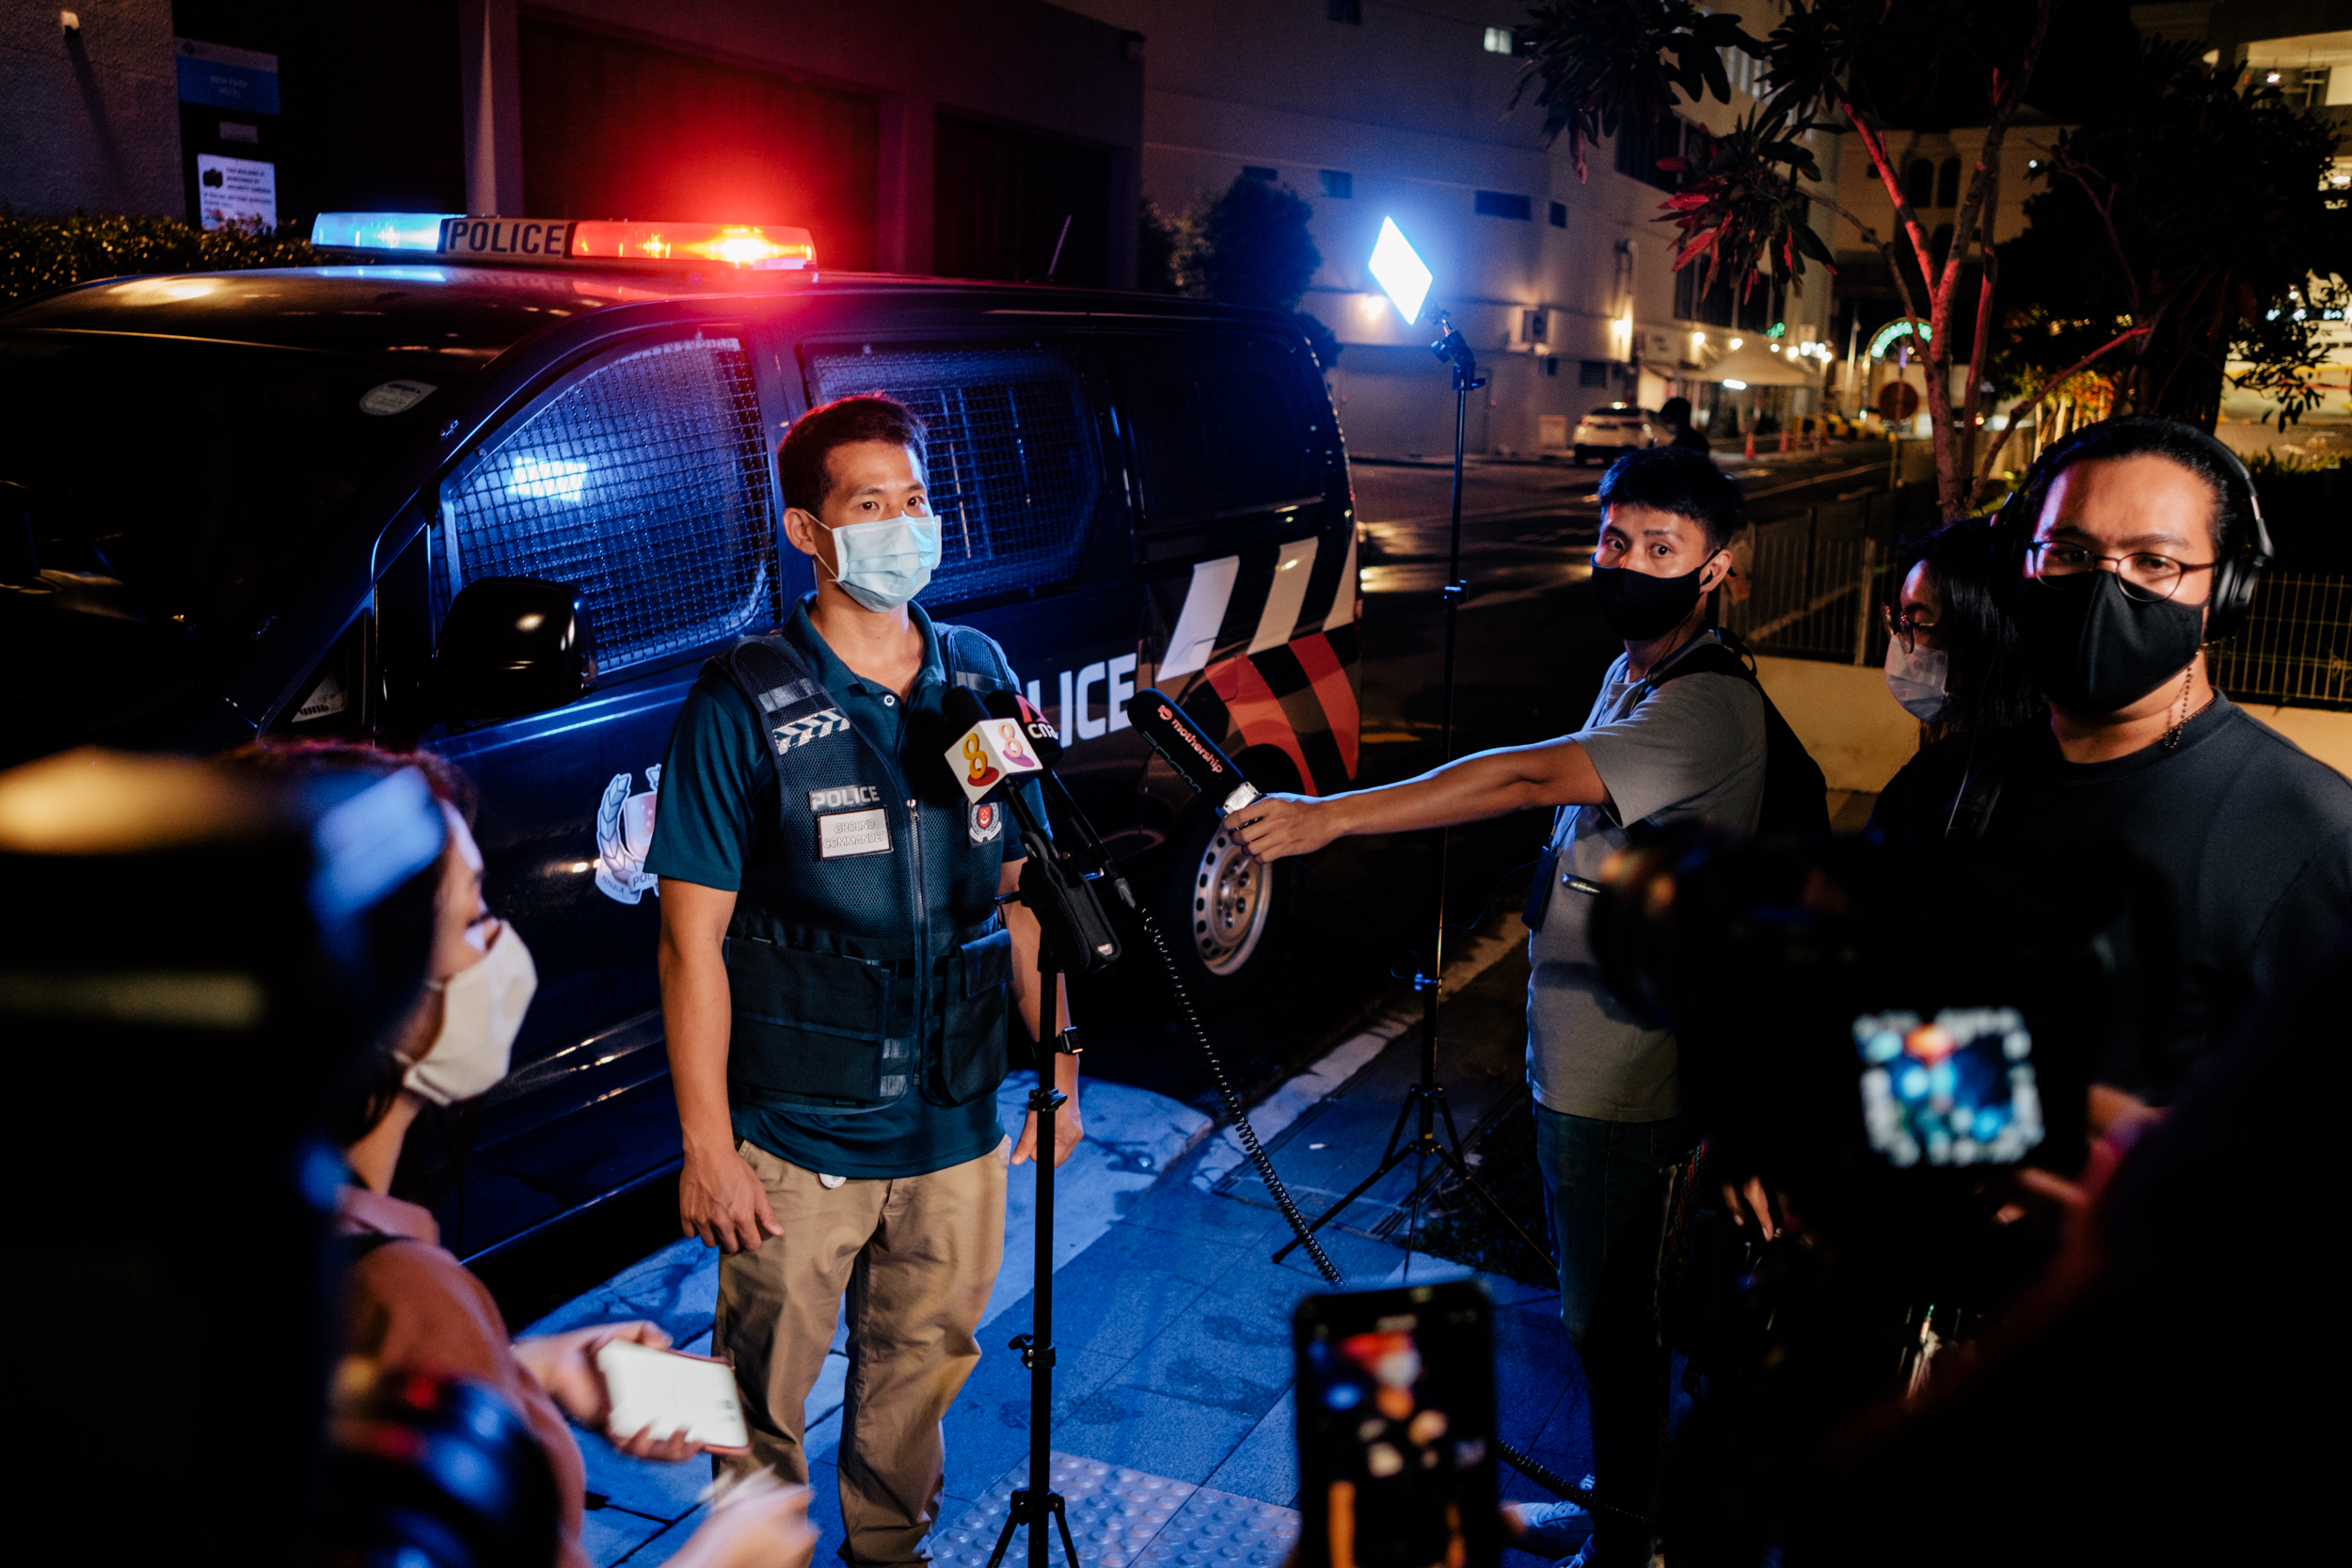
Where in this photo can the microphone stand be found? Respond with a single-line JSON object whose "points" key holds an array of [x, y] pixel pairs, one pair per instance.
{"points": [[1062, 948], [1427, 1097]]}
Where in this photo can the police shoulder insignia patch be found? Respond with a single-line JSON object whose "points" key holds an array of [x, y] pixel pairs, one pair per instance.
{"points": [[816, 726], [987, 822]]}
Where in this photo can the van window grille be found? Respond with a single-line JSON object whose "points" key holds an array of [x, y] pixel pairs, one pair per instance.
{"points": [[1220, 423], [1011, 461], [645, 483]]}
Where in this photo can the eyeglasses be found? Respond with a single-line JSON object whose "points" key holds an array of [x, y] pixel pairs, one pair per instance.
{"points": [[1907, 625], [2145, 577]]}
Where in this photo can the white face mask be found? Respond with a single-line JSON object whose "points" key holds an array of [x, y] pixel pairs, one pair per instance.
{"points": [[885, 562], [482, 1011], [1917, 680]]}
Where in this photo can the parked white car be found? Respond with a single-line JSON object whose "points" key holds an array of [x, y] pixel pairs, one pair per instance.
{"points": [[1613, 428]]}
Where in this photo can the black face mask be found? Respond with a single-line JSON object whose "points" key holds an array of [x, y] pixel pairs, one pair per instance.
{"points": [[2092, 648], [1639, 606]]}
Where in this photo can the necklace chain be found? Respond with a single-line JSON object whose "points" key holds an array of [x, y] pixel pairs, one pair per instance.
{"points": [[2188, 681]]}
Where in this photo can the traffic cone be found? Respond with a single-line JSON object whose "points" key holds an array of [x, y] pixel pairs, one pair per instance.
{"points": [[1751, 443]]}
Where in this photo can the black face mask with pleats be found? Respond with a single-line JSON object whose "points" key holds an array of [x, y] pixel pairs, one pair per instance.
{"points": [[1639, 606], [2092, 648]]}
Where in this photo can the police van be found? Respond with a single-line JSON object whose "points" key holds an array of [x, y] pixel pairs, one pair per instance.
{"points": [[340, 501]]}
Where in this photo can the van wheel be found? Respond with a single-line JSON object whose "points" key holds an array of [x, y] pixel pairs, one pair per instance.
{"points": [[1580, 458], [1218, 909]]}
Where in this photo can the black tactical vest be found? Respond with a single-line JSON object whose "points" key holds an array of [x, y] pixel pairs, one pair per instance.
{"points": [[867, 959]]}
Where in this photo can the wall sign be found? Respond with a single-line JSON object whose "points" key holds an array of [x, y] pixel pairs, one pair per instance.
{"points": [[232, 189], [225, 78]]}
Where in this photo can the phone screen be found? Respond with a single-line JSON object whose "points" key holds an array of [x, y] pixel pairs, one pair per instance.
{"points": [[1956, 1089], [672, 1392], [1396, 1428]]}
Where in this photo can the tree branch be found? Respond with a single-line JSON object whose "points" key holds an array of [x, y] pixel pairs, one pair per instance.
{"points": [[2080, 172], [2041, 393]]}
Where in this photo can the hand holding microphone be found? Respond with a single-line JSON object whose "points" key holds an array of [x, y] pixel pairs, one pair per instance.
{"points": [[1268, 826], [1280, 825]]}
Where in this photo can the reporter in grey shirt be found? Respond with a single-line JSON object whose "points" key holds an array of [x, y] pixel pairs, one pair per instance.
{"points": [[1608, 1119]]}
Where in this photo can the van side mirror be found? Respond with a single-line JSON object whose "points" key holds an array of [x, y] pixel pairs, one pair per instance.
{"points": [[512, 647]]}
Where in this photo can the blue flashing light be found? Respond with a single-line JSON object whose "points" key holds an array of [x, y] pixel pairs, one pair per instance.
{"points": [[1399, 271], [380, 230]]}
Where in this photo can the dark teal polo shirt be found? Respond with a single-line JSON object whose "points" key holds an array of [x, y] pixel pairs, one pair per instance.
{"points": [[718, 815]]}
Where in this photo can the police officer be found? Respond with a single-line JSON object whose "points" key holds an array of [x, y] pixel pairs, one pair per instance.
{"points": [[835, 974]]}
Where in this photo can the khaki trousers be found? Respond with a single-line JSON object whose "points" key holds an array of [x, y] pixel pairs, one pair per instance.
{"points": [[916, 1257]]}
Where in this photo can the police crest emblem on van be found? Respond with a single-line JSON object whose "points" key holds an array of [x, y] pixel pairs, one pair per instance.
{"points": [[624, 833]]}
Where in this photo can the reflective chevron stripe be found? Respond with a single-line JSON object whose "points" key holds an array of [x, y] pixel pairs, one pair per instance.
{"points": [[1273, 641], [799, 732]]}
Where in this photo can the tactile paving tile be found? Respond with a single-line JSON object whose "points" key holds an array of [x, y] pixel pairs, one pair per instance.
{"points": [[1124, 1518], [1218, 1529]]}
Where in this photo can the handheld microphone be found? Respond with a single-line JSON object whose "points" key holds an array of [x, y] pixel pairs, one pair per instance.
{"points": [[989, 750], [1195, 757]]}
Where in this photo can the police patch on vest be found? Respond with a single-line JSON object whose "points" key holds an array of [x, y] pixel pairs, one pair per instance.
{"points": [[843, 835], [799, 732], [987, 822], [841, 797]]}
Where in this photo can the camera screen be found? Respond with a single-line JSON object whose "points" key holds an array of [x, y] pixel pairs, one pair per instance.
{"points": [[1405, 1459], [1957, 1089]]}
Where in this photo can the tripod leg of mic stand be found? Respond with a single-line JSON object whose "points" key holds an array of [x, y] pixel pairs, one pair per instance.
{"points": [[1047, 1100], [1389, 1159]]}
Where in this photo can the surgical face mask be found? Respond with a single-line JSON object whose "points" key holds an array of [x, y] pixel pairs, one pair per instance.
{"points": [[1638, 606], [885, 564], [2092, 648], [482, 1011], [1916, 676]]}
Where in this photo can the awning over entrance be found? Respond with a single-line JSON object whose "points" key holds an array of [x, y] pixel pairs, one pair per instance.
{"points": [[1751, 365]]}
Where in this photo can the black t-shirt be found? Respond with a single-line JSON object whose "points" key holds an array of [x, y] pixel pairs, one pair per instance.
{"points": [[2246, 841]]}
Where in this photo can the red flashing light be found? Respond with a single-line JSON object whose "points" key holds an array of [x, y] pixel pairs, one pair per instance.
{"points": [[741, 245]]}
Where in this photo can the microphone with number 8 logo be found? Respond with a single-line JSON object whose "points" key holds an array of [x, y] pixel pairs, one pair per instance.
{"points": [[992, 755], [988, 752]]}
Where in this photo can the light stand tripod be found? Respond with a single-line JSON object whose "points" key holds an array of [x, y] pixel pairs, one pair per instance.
{"points": [[1427, 1097]]}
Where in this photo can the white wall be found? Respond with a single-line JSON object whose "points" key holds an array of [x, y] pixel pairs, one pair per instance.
{"points": [[90, 119]]}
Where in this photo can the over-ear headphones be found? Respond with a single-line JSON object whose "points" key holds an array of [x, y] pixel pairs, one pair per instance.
{"points": [[2236, 576]]}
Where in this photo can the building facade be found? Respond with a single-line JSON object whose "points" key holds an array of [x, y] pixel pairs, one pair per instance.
{"points": [[909, 135], [1371, 110]]}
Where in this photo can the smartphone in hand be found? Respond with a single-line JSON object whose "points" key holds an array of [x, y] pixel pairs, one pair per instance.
{"points": [[1396, 1409], [672, 1392]]}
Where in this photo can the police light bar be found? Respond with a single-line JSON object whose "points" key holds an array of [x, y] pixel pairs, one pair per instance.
{"points": [[558, 242], [379, 230], [743, 243]]}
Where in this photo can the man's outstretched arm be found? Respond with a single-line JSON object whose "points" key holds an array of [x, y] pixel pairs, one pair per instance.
{"points": [[1491, 784]]}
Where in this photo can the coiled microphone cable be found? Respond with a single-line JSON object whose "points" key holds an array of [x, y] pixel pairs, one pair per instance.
{"points": [[1258, 1157], [1107, 870]]}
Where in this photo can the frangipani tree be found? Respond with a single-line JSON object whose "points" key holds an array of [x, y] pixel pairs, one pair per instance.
{"points": [[1745, 206]]}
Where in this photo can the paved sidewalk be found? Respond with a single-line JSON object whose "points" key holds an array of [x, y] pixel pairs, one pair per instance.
{"points": [[1171, 1322]]}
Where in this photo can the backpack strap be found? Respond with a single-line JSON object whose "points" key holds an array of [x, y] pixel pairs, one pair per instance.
{"points": [[1726, 657], [972, 659], [793, 706]]}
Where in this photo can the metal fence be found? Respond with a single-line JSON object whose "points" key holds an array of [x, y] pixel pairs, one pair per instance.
{"points": [[2296, 647], [1814, 585], [1812, 589]]}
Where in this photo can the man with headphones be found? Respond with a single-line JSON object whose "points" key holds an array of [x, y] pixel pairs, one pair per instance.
{"points": [[2137, 542]]}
